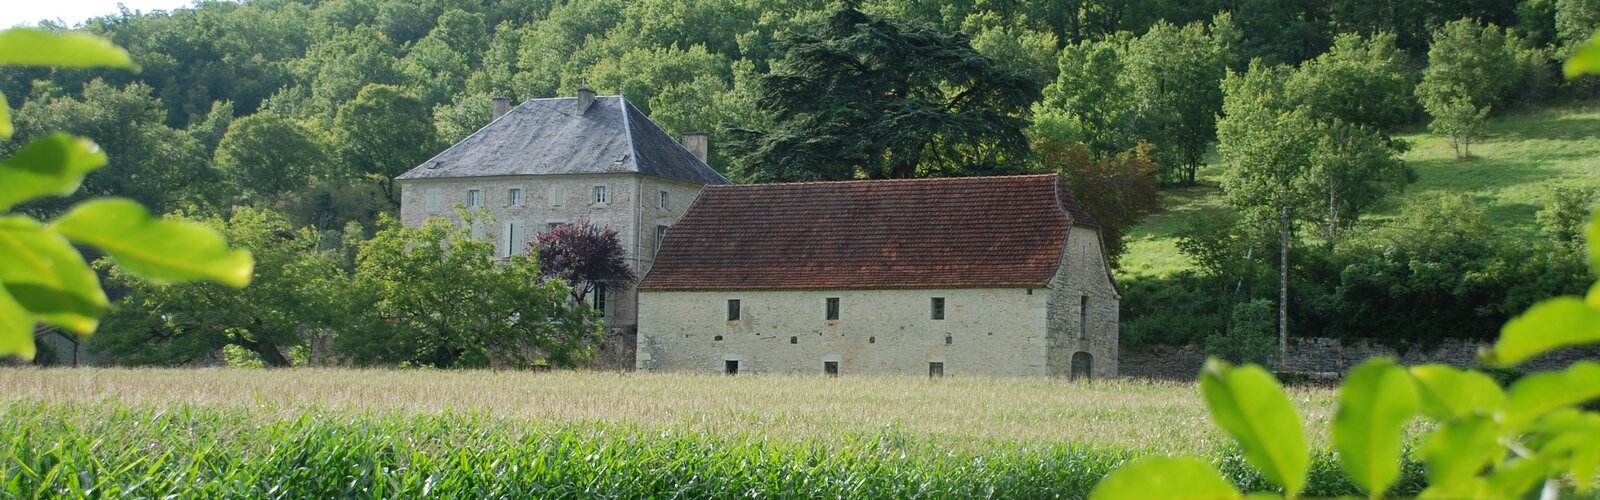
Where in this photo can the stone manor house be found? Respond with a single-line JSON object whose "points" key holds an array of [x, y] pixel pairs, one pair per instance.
{"points": [[561, 160], [964, 276]]}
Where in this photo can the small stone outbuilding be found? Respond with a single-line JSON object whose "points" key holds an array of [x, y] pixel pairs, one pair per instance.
{"points": [[996, 276]]}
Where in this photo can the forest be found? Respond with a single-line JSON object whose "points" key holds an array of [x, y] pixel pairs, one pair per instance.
{"points": [[283, 122]]}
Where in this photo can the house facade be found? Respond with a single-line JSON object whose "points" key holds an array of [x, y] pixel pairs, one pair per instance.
{"points": [[556, 161], [993, 276]]}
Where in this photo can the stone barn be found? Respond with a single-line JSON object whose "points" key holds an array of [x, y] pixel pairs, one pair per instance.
{"points": [[553, 161], [995, 276]]}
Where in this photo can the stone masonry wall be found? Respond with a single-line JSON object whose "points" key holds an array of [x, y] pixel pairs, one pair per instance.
{"points": [[991, 331], [633, 208], [1082, 273], [1326, 355]]}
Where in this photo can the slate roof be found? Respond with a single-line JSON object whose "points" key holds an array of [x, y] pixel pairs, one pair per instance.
{"points": [[550, 136], [964, 232]]}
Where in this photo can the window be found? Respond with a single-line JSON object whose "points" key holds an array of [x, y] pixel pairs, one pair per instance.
{"points": [[717, 338], [476, 230], [600, 224], [558, 195], [664, 199], [730, 367], [514, 197], [474, 198], [600, 195], [872, 340], [831, 368], [516, 238], [794, 340], [433, 199], [936, 369], [938, 308], [551, 226], [949, 339], [833, 308], [1083, 317], [600, 298], [733, 309], [661, 234]]}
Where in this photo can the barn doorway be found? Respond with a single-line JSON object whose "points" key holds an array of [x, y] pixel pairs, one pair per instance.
{"points": [[830, 368], [730, 367], [1082, 365]]}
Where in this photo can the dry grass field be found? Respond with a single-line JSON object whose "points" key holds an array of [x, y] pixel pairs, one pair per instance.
{"points": [[957, 414]]}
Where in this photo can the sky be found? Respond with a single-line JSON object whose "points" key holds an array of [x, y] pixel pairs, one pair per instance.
{"points": [[15, 12]]}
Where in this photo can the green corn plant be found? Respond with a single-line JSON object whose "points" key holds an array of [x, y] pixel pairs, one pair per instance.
{"points": [[44, 277]]}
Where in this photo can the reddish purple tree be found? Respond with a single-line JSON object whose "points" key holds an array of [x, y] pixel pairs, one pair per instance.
{"points": [[584, 256]]}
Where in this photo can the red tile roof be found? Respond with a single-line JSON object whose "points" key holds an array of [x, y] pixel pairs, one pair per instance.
{"points": [[962, 232]]}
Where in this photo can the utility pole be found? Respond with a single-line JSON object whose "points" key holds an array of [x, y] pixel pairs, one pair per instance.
{"points": [[1283, 291]]}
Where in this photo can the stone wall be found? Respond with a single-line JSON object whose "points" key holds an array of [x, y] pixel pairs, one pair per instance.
{"points": [[1326, 355], [1081, 274], [990, 331]]}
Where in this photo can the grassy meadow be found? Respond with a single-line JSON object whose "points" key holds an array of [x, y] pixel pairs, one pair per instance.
{"points": [[1521, 155], [330, 432]]}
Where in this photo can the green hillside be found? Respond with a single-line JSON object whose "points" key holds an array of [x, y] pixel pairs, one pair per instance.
{"points": [[1522, 155]]}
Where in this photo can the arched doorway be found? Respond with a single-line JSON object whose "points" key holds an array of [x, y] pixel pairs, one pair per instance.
{"points": [[1082, 365]]}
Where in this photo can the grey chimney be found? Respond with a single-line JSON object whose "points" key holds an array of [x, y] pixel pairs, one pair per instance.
{"points": [[502, 105], [698, 144], [585, 96]]}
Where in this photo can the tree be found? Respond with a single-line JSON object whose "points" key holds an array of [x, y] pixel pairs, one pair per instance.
{"points": [[1266, 146], [856, 96], [1352, 168], [383, 133], [156, 165], [584, 256], [1362, 81], [1469, 61], [1118, 191], [264, 155], [1176, 78], [435, 296], [296, 290], [1459, 121]]}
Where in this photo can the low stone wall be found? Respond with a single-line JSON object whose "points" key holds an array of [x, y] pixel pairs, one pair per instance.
{"points": [[616, 350], [1325, 355]]}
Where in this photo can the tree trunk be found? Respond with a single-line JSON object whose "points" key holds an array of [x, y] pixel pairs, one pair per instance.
{"points": [[266, 349], [1283, 292]]}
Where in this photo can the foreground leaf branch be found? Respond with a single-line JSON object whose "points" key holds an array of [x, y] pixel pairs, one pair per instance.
{"points": [[45, 279]]}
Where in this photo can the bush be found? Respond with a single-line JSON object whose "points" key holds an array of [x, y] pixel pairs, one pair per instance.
{"points": [[1251, 336]]}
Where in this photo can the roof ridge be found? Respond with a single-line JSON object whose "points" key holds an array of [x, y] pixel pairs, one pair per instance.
{"points": [[911, 180]]}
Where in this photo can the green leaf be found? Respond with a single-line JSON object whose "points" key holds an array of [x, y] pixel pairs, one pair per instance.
{"points": [[1591, 232], [1456, 451], [42, 271], [1375, 402], [160, 250], [1448, 392], [1247, 402], [1536, 395], [51, 166], [1573, 437], [16, 328], [1475, 488], [69, 49], [1585, 61], [1552, 324], [1517, 477], [1155, 478]]}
